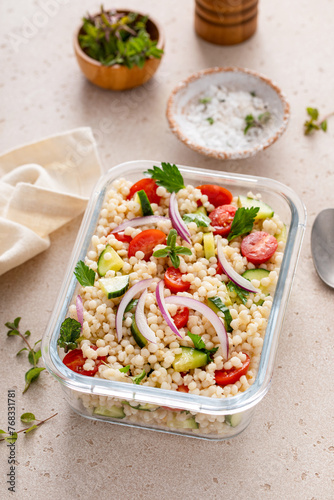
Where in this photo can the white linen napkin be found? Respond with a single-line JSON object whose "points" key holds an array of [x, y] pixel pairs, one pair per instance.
{"points": [[43, 186]]}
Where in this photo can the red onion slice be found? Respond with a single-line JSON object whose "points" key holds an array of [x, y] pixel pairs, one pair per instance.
{"points": [[176, 219], [231, 273], [216, 322], [138, 287], [141, 320], [159, 292], [140, 221], [79, 307]]}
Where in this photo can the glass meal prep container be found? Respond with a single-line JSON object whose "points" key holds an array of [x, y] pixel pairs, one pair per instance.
{"points": [[167, 410]]}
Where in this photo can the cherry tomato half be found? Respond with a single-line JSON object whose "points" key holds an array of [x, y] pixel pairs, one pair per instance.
{"points": [[149, 186], [125, 238], [173, 280], [220, 269], [258, 247], [181, 317], [222, 218], [145, 242], [225, 377], [74, 360], [217, 195]]}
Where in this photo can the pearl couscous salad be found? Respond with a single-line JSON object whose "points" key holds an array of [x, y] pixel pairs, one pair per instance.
{"points": [[175, 293]]}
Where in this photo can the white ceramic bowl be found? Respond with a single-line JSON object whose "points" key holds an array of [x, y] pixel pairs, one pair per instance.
{"points": [[232, 79]]}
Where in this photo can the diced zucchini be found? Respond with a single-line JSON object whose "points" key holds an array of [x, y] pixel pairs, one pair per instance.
{"points": [[190, 358], [209, 245], [216, 304], [190, 423], [115, 263], [139, 338], [265, 212], [282, 235], [201, 210], [114, 287], [113, 412], [142, 199], [233, 420]]}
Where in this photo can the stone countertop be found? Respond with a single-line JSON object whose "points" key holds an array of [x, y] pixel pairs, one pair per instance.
{"points": [[287, 451]]}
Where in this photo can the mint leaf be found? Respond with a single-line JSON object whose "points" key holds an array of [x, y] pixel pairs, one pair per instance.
{"points": [[313, 113], [197, 341], [242, 294], [69, 333], [182, 251], [139, 378], [200, 219], [167, 176], [84, 274], [219, 305], [12, 438], [242, 222], [171, 250], [31, 375], [26, 418], [323, 125], [125, 369], [34, 356]]}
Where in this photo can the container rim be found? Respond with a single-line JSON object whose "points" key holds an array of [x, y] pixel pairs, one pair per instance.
{"points": [[153, 395]]}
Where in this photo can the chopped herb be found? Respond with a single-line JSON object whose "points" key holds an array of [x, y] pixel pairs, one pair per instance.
{"points": [[205, 100], [125, 369], [210, 120], [199, 344], [242, 294], [219, 305], [252, 122], [171, 250], [201, 219], [113, 37], [314, 123], [69, 334], [242, 222], [84, 274], [139, 378], [168, 176]]}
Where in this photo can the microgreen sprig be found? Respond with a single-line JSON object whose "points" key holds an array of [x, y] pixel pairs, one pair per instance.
{"points": [[171, 250], [315, 123], [26, 418], [33, 355], [258, 122]]}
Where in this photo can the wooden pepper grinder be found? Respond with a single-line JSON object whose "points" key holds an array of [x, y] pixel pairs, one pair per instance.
{"points": [[225, 22]]}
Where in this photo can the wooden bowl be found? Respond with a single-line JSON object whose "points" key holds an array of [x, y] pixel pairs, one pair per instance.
{"points": [[119, 77], [235, 79], [225, 22]]}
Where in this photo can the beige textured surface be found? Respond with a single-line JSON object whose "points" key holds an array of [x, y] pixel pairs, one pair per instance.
{"points": [[288, 450]]}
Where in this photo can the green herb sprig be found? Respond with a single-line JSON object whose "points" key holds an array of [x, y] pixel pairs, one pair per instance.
{"points": [[199, 344], [258, 122], [315, 123], [210, 120], [205, 100], [84, 274], [26, 418], [168, 176], [70, 330], [139, 378], [171, 250], [117, 38], [242, 294], [242, 222], [33, 355]]}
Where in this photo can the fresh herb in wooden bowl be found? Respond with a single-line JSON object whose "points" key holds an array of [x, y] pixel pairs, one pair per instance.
{"points": [[118, 50]]}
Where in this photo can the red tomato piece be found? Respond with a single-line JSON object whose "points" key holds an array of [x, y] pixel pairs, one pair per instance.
{"points": [[222, 218], [146, 241], [217, 195], [74, 360], [122, 237], [225, 377], [173, 280], [181, 317], [149, 186], [220, 269], [258, 247], [183, 388]]}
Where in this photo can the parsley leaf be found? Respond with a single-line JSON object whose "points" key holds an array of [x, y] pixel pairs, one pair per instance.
{"points": [[201, 219], [199, 344], [219, 305], [242, 294], [84, 274], [243, 221], [171, 250], [139, 378], [168, 176], [69, 333]]}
